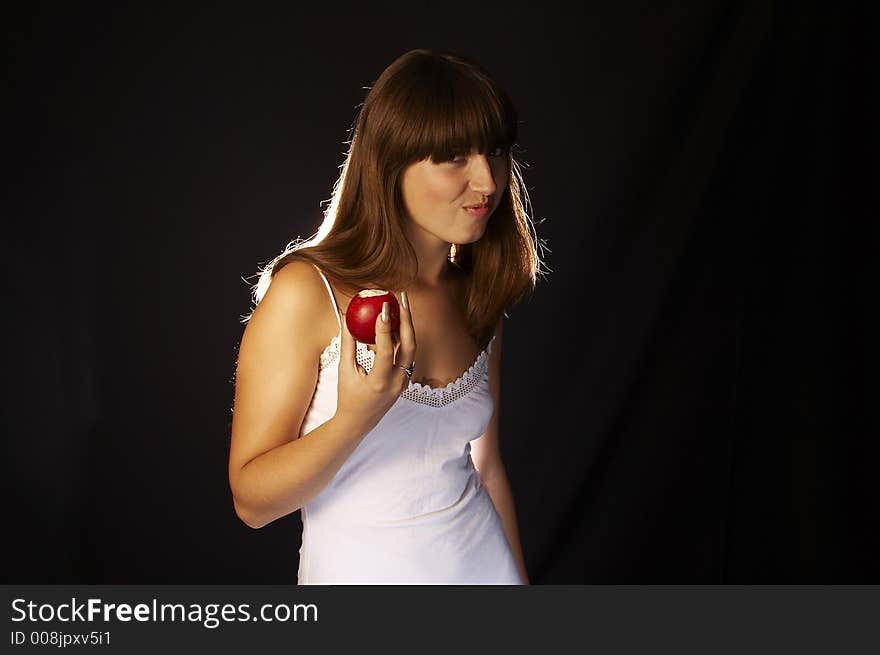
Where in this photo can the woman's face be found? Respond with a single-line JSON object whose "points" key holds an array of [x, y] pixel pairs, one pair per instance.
{"points": [[435, 195]]}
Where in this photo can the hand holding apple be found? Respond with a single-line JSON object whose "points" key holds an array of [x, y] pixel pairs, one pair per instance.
{"points": [[364, 397], [360, 317]]}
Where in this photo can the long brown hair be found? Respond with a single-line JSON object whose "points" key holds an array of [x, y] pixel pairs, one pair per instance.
{"points": [[425, 104]]}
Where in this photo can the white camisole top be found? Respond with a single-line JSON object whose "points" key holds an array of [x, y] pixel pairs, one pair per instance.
{"points": [[408, 506]]}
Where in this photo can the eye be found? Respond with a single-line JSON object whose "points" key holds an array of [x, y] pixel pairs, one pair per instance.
{"points": [[496, 153]]}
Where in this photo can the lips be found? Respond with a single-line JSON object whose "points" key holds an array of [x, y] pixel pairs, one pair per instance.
{"points": [[479, 211], [477, 206]]}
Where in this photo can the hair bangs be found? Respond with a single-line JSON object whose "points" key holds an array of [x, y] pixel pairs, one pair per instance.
{"points": [[456, 114]]}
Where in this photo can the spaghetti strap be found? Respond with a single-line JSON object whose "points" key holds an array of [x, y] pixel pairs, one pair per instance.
{"points": [[332, 297]]}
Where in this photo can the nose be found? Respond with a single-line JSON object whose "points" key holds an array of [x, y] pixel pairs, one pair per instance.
{"points": [[482, 177]]}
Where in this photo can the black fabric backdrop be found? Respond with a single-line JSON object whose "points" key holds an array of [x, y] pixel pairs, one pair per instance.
{"points": [[689, 395]]}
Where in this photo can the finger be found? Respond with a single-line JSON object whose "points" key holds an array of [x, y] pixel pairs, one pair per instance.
{"points": [[384, 359], [406, 353], [348, 350]]}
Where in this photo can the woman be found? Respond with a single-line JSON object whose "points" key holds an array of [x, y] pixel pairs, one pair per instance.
{"points": [[391, 451]]}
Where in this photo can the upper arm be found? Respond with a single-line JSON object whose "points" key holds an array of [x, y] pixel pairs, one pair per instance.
{"points": [[277, 365], [485, 450]]}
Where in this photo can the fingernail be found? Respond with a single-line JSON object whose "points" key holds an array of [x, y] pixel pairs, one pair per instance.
{"points": [[384, 312], [404, 300]]}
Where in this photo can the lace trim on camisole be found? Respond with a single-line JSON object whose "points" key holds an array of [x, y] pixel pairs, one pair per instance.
{"points": [[417, 392]]}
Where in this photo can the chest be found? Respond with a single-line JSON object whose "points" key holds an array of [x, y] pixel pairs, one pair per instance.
{"points": [[444, 348]]}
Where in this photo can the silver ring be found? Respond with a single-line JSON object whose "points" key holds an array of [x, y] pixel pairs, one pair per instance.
{"points": [[408, 370]]}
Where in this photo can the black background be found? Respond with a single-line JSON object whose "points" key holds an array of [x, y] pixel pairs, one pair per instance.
{"points": [[689, 395]]}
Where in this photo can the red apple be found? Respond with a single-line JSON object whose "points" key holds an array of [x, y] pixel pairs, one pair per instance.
{"points": [[364, 308]]}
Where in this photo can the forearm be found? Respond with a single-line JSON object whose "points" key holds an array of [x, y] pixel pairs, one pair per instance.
{"points": [[282, 480], [499, 490]]}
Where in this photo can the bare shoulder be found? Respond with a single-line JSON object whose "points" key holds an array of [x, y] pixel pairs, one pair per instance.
{"points": [[278, 363], [499, 327], [497, 334], [297, 281], [297, 305]]}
